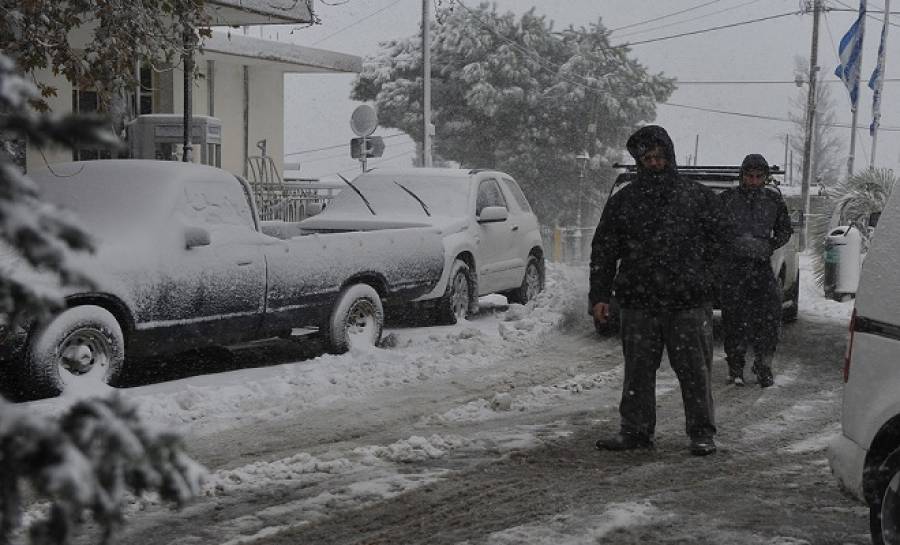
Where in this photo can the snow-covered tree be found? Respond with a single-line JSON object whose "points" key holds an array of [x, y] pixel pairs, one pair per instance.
{"points": [[92, 457], [828, 152], [516, 95], [38, 34]]}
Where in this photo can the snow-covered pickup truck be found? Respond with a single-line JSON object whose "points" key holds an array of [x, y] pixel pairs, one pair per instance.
{"points": [[182, 263], [785, 261]]}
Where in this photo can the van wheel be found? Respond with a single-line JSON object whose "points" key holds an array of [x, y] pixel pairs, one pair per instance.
{"points": [[532, 283], [356, 320], [81, 348], [790, 313], [884, 511], [454, 305]]}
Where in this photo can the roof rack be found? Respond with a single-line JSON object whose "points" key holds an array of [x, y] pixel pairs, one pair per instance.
{"points": [[774, 169]]}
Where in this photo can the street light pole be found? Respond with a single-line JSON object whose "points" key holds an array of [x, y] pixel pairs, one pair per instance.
{"points": [[810, 124], [581, 160], [426, 83]]}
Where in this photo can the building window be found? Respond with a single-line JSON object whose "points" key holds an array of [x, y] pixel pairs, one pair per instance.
{"points": [[145, 98], [87, 102]]}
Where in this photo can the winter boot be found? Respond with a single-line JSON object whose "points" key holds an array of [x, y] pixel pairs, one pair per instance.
{"points": [[622, 441], [702, 446], [762, 368], [735, 369]]}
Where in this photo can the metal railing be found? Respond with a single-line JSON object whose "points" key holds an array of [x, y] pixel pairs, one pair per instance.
{"points": [[290, 199]]}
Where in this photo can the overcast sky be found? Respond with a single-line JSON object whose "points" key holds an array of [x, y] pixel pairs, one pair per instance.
{"points": [[317, 107]]}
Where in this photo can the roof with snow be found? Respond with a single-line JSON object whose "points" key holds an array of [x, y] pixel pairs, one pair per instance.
{"points": [[285, 56], [259, 12]]}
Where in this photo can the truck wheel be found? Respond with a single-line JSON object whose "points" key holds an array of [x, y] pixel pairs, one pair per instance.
{"points": [[454, 305], [532, 283], [356, 320], [81, 348], [790, 313], [884, 511]]}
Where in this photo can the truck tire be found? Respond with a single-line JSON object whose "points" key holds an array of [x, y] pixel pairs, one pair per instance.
{"points": [[532, 283], [356, 319], [454, 305], [81, 348]]}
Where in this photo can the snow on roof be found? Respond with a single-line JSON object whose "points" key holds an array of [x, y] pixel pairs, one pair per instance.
{"points": [[289, 57], [259, 12]]}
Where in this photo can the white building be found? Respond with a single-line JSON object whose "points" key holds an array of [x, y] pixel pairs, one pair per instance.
{"points": [[241, 83]]}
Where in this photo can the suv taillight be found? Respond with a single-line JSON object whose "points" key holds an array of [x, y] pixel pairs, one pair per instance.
{"points": [[848, 354]]}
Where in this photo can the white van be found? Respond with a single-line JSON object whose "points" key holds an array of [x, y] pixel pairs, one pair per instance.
{"points": [[866, 456]]}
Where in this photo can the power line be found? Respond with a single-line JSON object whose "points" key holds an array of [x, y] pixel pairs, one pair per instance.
{"points": [[705, 30], [763, 117], [335, 146], [760, 82], [868, 13], [664, 16], [358, 21], [676, 23]]}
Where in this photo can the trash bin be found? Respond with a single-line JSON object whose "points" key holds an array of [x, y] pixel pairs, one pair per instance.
{"points": [[842, 258]]}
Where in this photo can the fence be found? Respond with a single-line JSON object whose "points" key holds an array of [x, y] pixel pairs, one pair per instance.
{"points": [[290, 199], [567, 244]]}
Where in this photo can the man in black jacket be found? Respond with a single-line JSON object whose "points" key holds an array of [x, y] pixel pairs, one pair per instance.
{"points": [[751, 296], [655, 246]]}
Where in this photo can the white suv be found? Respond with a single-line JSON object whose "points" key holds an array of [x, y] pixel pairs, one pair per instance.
{"points": [[866, 456]]}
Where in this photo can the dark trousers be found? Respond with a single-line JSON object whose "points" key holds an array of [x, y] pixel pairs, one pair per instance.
{"points": [[687, 337], [751, 314]]}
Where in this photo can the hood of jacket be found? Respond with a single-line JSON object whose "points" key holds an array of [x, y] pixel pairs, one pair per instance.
{"points": [[647, 138]]}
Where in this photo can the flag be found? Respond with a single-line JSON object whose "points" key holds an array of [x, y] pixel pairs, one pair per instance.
{"points": [[850, 52], [874, 82]]}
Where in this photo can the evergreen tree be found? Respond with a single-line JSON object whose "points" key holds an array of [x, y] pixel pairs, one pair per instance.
{"points": [[516, 95], [94, 456]]}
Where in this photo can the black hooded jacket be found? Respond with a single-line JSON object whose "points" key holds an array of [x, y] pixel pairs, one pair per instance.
{"points": [[759, 214], [658, 237]]}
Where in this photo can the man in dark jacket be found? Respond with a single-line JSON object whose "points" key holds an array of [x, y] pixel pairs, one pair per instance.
{"points": [[655, 246], [751, 296]]}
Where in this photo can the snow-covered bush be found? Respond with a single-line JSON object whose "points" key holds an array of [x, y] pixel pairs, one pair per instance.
{"points": [[854, 201]]}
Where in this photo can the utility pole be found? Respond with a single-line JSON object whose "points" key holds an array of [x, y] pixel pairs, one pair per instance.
{"points": [[696, 148], [810, 123], [426, 79]]}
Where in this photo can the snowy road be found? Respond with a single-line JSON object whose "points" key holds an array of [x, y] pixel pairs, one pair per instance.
{"points": [[482, 433]]}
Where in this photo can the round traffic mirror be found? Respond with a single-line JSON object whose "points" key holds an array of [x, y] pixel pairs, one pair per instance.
{"points": [[363, 120]]}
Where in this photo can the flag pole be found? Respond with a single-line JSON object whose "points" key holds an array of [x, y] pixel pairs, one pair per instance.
{"points": [[855, 103], [879, 81]]}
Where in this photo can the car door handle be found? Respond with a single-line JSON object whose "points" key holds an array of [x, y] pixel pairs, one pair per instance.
{"points": [[245, 262], [515, 227]]}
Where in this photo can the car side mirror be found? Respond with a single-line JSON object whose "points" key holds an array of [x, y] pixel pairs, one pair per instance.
{"points": [[492, 214], [195, 236]]}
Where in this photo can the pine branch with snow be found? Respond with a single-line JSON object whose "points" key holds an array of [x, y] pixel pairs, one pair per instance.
{"points": [[92, 460]]}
